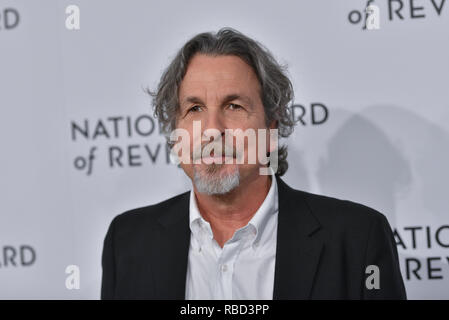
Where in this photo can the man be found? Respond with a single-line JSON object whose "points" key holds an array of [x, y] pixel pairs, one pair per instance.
{"points": [[240, 234]]}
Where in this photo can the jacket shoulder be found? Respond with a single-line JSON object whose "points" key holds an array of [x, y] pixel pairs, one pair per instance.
{"points": [[337, 213], [148, 215]]}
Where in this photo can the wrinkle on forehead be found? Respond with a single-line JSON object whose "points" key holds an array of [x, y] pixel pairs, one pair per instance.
{"points": [[204, 68], [209, 76]]}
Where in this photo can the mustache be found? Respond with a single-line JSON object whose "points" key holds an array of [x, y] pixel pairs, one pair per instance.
{"points": [[213, 148]]}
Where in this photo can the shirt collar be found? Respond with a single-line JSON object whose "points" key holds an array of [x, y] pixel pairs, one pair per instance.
{"points": [[196, 221], [268, 208]]}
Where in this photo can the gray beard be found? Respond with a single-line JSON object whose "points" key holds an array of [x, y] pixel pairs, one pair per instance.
{"points": [[210, 181]]}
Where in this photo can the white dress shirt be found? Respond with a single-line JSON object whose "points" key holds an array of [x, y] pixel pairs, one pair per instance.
{"points": [[244, 267]]}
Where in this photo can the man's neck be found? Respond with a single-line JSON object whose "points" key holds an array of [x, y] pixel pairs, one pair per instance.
{"points": [[232, 211]]}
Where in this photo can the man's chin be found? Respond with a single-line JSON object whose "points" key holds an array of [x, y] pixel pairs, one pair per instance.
{"points": [[216, 178]]}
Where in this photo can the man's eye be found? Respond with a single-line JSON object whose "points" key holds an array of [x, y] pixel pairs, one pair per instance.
{"points": [[234, 106], [195, 109]]}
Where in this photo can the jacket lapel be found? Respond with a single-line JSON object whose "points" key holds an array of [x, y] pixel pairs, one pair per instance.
{"points": [[172, 240], [297, 250]]}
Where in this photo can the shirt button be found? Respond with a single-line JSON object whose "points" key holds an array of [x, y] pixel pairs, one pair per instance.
{"points": [[224, 268]]}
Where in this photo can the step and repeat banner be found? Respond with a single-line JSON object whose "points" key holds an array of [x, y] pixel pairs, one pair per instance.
{"points": [[79, 143]]}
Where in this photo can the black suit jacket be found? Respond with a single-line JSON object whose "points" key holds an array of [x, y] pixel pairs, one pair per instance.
{"points": [[323, 248]]}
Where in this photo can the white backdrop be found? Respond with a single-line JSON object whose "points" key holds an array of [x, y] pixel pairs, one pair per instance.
{"points": [[379, 134]]}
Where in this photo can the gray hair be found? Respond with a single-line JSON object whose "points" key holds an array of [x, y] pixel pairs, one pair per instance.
{"points": [[276, 93]]}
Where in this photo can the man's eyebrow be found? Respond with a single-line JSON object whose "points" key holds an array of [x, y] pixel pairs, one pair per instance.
{"points": [[192, 99], [234, 96], [227, 98]]}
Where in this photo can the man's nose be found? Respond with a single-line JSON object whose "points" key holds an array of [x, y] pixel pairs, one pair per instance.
{"points": [[215, 120]]}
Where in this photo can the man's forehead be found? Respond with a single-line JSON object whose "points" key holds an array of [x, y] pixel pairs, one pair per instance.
{"points": [[218, 68], [206, 75]]}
